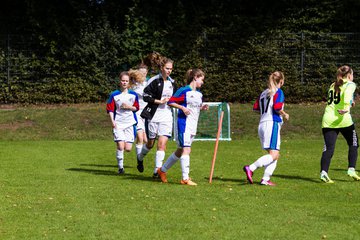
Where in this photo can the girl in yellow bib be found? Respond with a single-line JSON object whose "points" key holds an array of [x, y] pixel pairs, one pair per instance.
{"points": [[337, 119]]}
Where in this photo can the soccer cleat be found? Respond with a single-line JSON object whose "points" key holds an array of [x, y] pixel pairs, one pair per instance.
{"points": [[162, 175], [248, 173], [140, 165], [353, 174], [325, 178], [121, 171], [188, 182], [155, 175], [267, 183]]}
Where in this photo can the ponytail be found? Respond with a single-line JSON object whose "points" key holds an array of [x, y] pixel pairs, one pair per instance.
{"points": [[153, 61], [135, 77], [274, 79], [341, 73], [192, 73]]}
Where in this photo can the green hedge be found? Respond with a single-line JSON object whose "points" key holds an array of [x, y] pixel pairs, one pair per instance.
{"points": [[87, 71]]}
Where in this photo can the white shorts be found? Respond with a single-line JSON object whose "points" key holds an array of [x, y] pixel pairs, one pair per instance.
{"points": [[185, 139], [125, 134], [269, 134], [154, 129], [141, 122]]}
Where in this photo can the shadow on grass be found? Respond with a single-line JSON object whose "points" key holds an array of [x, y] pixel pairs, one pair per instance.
{"points": [[244, 181], [314, 180], [93, 171], [150, 178], [98, 165], [241, 181], [349, 179], [339, 170], [112, 173], [297, 178]]}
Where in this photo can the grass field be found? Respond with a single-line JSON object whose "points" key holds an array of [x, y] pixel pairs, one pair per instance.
{"points": [[58, 180]]}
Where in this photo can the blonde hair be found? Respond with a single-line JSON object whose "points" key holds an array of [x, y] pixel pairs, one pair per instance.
{"points": [[136, 77], [341, 73], [274, 80], [192, 73]]}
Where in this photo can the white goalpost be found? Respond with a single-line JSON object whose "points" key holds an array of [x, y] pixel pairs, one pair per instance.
{"points": [[208, 123]]}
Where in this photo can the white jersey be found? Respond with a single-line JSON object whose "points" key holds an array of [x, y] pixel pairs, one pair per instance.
{"points": [[163, 112], [123, 117], [139, 89], [269, 107], [192, 100]]}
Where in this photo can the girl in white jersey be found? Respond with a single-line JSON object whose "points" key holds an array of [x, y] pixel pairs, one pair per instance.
{"points": [[189, 102], [270, 104], [157, 114], [138, 85], [121, 107]]}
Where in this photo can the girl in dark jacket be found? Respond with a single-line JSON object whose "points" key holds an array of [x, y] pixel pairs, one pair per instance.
{"points": [[157, 114]]}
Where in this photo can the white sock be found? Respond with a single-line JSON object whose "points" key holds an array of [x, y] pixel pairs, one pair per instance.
{"points": [[262, 161], [269, 170], [159, 158], [185, 166], [120, 158], [143, 152], [138, 148], [169, 162]]}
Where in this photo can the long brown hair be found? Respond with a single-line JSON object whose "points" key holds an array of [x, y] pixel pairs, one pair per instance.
{"points": [[153, 61], [341, 73]]}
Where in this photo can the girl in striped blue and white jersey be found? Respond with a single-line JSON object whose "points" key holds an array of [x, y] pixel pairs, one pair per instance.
{"points": [[188, 100], [121, 107], [270, 105]]}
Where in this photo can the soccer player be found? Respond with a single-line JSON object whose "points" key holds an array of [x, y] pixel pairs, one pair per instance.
{"points": [[270, 105], [138, 86], [121, 107], [157, 114], [337, 118], [188, 100]]}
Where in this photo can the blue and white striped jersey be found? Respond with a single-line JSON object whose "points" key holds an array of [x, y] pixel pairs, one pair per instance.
{"points": [[192, 100]]}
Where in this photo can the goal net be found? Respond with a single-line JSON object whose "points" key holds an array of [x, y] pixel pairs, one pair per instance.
{"points": [[208, 122]]}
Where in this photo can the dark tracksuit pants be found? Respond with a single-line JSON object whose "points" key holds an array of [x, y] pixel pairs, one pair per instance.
{"points": [[330, 136]]}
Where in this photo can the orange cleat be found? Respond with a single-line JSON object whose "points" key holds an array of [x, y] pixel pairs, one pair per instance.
{"points": [[162, 175], [188, 182]]}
